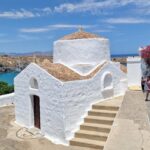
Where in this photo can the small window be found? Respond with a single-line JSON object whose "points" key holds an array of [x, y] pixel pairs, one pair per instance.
{"points": [[34, 83], [107, 81]]}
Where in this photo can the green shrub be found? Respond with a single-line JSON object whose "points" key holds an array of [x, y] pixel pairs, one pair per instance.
{"points": [[5, 88], [1, 65]]}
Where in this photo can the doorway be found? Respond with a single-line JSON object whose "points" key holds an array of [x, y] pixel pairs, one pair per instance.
{"points": [[36, 105]]}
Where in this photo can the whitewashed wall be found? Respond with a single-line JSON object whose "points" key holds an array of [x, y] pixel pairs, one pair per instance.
{"points": [[7, 99], [117, 64], [51, 110], [134, 71], [83, 69], [79, 96], [63, 105], [81, 51]]}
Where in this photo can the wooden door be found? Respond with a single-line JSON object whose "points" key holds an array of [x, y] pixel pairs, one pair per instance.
{"points": [[36, 101]]}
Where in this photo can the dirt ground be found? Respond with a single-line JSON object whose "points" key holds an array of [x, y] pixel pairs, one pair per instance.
{"points": [[11, 135]]}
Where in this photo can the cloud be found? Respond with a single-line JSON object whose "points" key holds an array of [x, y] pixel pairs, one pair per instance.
{"points": [[34, 30], [96, 6], [86, 5], [43, 11], [89, 5], [54, 27], [93, 6], [17, 14], [47, 10], [126, 21], [23, 13]]}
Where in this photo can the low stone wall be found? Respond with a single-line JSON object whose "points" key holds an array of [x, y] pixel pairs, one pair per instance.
{"points": [[7, 99]]}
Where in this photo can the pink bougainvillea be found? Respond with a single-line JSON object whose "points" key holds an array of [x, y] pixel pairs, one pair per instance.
{"points": [[145, 52]]}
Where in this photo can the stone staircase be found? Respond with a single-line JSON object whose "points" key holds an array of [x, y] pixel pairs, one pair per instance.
{"points": [[94, 131]]}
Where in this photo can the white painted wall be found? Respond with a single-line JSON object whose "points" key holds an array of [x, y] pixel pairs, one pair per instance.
{"points": [[50, 90], [63, 104], [81, 51], [83, 69], [134, 71], [80, 95], [7, 99], [117, 64]]}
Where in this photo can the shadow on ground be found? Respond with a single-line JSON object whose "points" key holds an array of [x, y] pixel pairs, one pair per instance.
{"points": [[10, 141]]}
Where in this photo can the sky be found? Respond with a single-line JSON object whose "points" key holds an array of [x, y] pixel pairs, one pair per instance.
{"points": [[33, 25]]}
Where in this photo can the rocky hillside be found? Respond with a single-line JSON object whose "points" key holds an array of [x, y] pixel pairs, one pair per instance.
{"points": [[122, 60], [9, 63], [123, 63]]}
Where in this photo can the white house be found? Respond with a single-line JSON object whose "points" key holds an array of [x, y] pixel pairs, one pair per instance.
{"points": [[55, 97]]}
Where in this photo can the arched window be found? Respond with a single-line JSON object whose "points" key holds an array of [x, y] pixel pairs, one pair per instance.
{"points": [[34, 83], [107, 81]]}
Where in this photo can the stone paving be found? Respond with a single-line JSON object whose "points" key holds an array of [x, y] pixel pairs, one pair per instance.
{"points": [[148, 105], [131, 129]]}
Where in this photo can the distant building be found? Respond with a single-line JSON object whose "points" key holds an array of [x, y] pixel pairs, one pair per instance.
{"points": [[55, 97], [134, 71]]}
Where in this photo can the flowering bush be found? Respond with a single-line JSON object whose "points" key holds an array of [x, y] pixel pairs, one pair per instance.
{"points": [[145, 52]]}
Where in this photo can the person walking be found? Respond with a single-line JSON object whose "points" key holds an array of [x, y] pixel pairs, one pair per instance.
{"points": [[143, 81], [147, 87]]}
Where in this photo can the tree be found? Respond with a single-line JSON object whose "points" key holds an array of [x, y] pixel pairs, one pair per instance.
{"points": [[5, 88]]}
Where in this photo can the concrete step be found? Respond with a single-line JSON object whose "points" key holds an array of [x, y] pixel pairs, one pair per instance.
{"points": [[105, 107], [87, 143], [93, 135], [95, 127], [105, 113], [99, 120]]}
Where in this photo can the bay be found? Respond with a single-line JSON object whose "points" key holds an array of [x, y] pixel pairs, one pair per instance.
{"points": [[8, 77]]}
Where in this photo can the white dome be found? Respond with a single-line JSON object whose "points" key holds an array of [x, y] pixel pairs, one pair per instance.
{"points": [[81, 48]]}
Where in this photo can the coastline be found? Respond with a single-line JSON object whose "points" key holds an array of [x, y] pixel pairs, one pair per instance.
{"points": [[18, 63], [8, 77]]}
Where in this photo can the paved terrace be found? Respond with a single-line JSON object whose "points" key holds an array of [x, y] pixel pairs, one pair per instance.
{"points": [[131, 129]]}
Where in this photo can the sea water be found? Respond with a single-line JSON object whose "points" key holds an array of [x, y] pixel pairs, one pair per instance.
{"points": [[8, 77]]}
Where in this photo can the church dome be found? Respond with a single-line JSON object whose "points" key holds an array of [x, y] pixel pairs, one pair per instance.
{"points": [[81, 48], [79, 35]]}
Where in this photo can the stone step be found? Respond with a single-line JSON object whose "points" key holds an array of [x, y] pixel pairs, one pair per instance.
{"points": [[105, 107], [95, 127], [105, 113], [87, 143], [99, 120], [93, 135]]}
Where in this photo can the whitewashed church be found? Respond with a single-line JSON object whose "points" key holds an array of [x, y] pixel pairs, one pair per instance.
{"points": [[55, 97]]}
